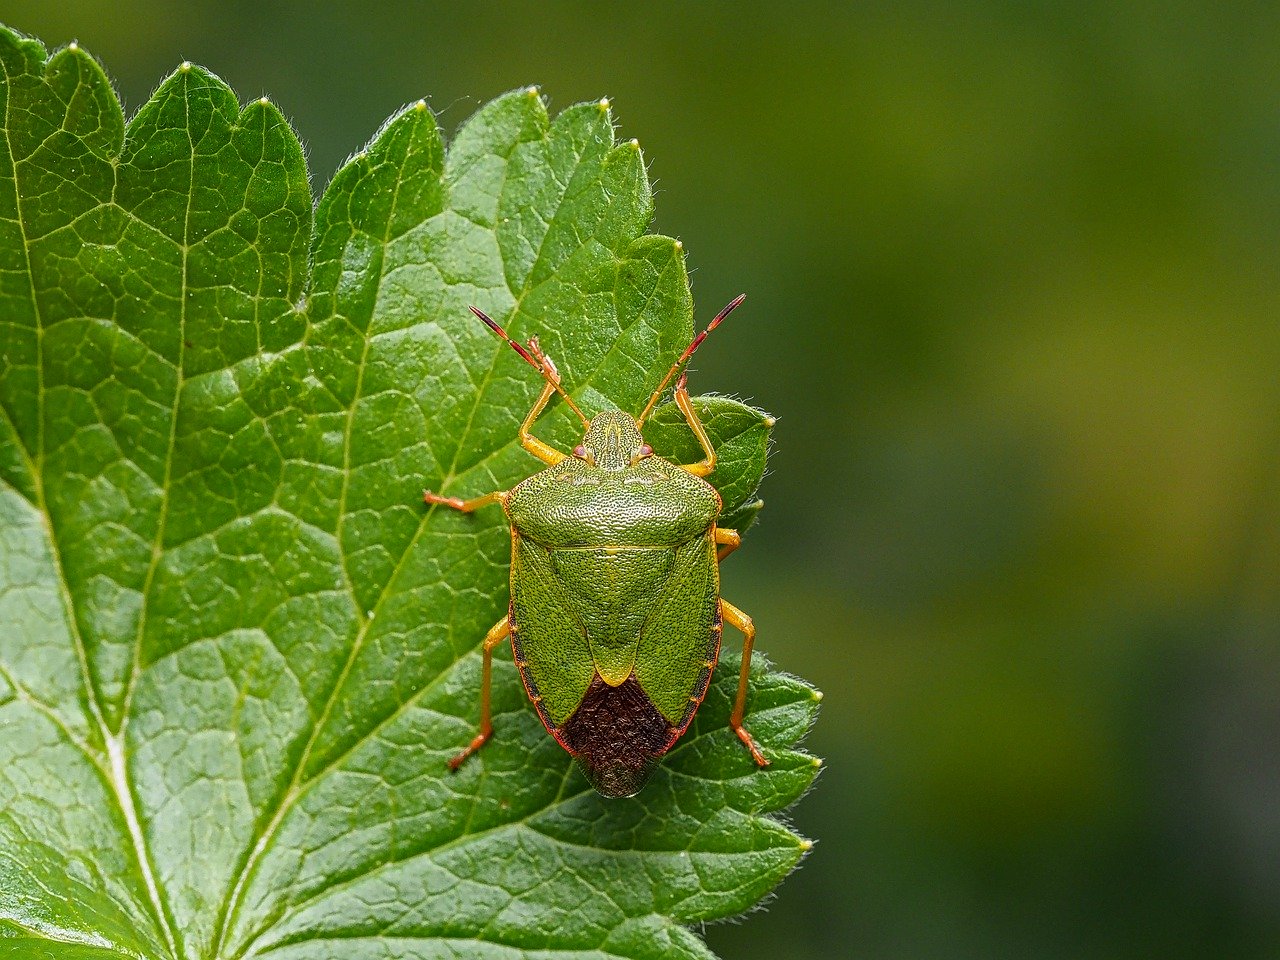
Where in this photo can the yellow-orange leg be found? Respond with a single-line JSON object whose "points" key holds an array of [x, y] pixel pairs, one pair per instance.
{"points": [[729, 541], [741, 621], [466, 506], [501, 630], [532, 354], [543, 451], [708, 463]]}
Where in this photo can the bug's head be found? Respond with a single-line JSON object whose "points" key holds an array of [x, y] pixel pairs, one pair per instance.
{"points": [[613, 442]]}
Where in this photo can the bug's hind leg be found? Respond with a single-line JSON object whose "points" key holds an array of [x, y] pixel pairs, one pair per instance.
{"points": [[500, 631], [739, 620]]}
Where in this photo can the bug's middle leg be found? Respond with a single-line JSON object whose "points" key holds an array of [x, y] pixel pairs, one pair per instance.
{"points": [[728, 541], [500, 631], [741, 621]]}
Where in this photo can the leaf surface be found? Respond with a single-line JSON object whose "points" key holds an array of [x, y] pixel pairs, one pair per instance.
{"points": [[237, 650]]}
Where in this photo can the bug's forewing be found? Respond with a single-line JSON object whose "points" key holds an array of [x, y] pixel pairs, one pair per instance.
{"points": [[680, 640], [551, 647]]}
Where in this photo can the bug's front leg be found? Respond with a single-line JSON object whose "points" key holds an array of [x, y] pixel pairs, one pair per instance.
{"points": [[708, 463], [741, 621], [466, 506], [532, 354], [539, 448], [501, 630]]}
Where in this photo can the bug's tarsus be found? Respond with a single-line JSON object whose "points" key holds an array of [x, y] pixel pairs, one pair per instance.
{"points": [[533, 355], [546, 364], [688, 353]]}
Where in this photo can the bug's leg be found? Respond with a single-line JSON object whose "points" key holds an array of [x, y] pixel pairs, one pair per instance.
{"points": [[741, 621], [543, 451], [501, 630], [466, 506], [532, 354], [729, 541], [707, 463]]}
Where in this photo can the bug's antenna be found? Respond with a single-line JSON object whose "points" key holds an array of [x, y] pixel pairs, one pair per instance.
{"points": [[688, 352], [534, 356]]}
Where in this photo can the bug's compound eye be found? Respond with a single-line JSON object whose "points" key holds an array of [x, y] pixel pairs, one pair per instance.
{"points": [[642, 451], [582, 453]]}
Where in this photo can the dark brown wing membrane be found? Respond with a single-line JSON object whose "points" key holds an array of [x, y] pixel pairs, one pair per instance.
{"points": [[617, 736]]}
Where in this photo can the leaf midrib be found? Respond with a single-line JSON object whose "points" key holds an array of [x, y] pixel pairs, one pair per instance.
{"points": [[115, 743], [298, 787], [231, 902], [464, 836], [231, 905]]}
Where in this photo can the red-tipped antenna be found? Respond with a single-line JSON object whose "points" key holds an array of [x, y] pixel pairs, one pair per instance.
{"points": [[688, 352], [534, 356]]}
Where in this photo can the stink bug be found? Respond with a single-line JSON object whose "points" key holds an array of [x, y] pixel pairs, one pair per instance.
{"points": [[615, 614]]}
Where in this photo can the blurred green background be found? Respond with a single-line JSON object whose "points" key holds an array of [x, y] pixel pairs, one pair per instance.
{"points": [[1013, 294]]}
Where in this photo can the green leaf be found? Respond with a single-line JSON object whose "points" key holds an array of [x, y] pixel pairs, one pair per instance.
{"points": [[742, 443], [237, 649]]}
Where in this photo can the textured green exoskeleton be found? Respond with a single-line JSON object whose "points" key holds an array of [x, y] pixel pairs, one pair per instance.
{"points": [[615, 616]]}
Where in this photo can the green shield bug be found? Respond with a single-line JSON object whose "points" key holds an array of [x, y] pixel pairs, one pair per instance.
{"points": [[615, 614]]}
